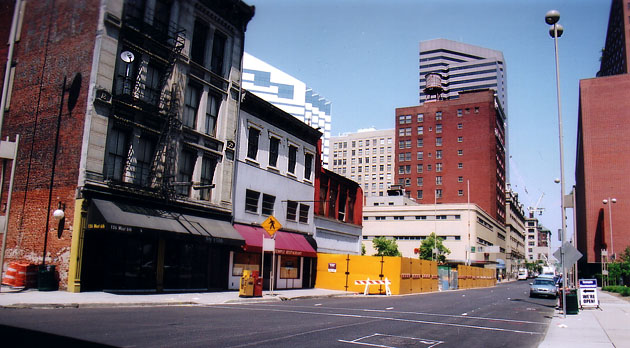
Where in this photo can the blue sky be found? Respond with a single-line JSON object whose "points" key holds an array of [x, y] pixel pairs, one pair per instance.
{"points": [[362, 55]]}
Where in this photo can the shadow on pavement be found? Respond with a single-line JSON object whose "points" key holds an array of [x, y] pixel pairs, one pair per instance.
{"points": [[32, 338], [552, 305]]}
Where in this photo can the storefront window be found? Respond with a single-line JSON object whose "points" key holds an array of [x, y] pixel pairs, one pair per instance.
{"points": [[289, 267], [245, 261]]}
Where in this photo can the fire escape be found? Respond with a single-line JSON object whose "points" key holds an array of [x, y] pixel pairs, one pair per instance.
{"points": [[151, 106]]}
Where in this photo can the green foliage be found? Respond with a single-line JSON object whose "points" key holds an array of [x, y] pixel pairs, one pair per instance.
{"points": [[534, 267], [426, 248], [620, 269], [362, 249], [620, 289], [385, 247]]}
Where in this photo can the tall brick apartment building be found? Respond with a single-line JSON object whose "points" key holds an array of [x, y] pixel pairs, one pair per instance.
{"points": [[446, 148], [603, 153], [143, 96]]}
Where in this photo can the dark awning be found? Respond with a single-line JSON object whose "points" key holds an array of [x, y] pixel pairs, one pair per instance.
{"points": [[286, 243], [124, 217]]}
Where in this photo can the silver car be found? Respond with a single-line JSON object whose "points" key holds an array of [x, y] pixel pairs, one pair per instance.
{"points": [[543, 287]]}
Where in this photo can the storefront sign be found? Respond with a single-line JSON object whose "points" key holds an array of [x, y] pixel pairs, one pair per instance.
{"points": [[588, 293], [332, 267]]}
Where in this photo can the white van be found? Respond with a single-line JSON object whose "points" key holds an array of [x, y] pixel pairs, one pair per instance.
{"points": [[522, 274]]}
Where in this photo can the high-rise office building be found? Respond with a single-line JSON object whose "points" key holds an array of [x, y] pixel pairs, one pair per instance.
{"points": [[462, 67], [289, 94], [602, 194], [366, 157]]}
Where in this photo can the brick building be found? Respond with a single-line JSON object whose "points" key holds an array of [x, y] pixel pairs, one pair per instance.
{"points": [[143, 96], [447, 148], [603, 160]]}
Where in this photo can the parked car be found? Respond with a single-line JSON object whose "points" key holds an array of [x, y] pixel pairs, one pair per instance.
{"points": [[543, 287]]}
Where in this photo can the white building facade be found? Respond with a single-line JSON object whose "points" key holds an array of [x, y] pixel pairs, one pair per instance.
{"points": [[463, 227], [275, 175], [367, 157], [289, 94]]}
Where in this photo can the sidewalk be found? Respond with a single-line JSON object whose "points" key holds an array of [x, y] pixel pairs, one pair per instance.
{"points": [[608, 326], [33, 298]]}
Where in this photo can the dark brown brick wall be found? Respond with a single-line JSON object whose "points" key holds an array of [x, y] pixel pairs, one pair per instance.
{"points": [[603, 164], [57, 40], [479, 159]]}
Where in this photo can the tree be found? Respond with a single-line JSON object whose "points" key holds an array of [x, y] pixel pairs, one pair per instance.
{"points": [[621, 268], [362, 249], [385, 247], [426, 248]]}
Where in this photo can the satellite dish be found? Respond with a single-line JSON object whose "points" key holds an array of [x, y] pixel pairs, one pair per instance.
{"points": [[127, 56]]}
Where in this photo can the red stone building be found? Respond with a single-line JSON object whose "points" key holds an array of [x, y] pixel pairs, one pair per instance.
{"points": [[603, 153], [447, 148]]}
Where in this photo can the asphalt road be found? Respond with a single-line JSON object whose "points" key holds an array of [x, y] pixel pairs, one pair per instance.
{"points": [[501, 316]]}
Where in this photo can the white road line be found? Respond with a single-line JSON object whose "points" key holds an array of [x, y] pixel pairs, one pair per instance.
{"points": [[462, 316], [380, 318]]}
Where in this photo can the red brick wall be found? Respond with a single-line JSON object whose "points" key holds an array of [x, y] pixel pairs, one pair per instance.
{"points": [[57, 40], [479, 159], [603, 164]]}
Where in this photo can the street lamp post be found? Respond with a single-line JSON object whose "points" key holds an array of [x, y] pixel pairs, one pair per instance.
{"points": [[552, 17], [612, 201]]}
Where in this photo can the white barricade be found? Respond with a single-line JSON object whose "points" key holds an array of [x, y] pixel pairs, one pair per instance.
{"points": [[369, 282]]}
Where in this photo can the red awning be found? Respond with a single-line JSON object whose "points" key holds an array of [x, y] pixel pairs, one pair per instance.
{"points": [[286, 243]]}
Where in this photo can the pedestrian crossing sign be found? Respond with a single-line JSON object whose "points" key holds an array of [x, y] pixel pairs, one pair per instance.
{"points": [[271, 225]]}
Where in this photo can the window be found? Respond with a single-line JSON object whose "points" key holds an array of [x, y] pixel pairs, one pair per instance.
{"points": [[407, 156], [292, 158], [252, 143], [208, 166], [438, 193], [420, 180], [438, 116], [438, 180], [420, 155], [460, 126], [438, 167], [420, 130], [420, 142], [419, 168], [268, 202], [379, 218], [151, 92], [289, 267], [251, 201], [304, 209], [404, 119], [186, 165], [218, 53], [460, 192], [438, 141], [274, 144], [407, 131], [460, 165], [438, 154], [399, 217], [354, 143], [117, 148], [308, 166], [191, 105], [212, 112], [438, 128], [401, 169], [419, 196], [420, 118], [476, 109], [198, 46], [401, 144], [460, 179], [401, 157], [459, 112], [460, 152], [407, 169], [428, 167], [144, 157], [460, 139]]}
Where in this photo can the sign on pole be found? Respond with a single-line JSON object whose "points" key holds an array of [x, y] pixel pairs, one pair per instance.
{"points": [[271, 225], [571, 254]]}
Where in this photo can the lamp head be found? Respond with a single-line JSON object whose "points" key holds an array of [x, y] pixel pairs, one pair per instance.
{"points": [[613, 200], [558, 28], [58, 214], [552, 17], [605, 201]]}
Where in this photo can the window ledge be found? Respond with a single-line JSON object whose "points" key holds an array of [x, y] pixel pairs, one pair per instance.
{"points": [[252, 162]]}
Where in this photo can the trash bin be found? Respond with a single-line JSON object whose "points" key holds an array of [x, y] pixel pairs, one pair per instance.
{"points": [[572, 302], [257, 284], [47, 278], [247, 284]]}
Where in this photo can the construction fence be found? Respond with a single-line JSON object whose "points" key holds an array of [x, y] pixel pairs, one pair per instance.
{"points": [[407, 275]]}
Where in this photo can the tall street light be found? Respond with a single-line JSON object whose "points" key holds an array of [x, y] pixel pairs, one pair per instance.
{"points": [[552, 17], [612, 201]]}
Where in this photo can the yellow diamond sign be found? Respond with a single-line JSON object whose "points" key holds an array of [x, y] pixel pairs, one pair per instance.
{"points": [[271, 225]]}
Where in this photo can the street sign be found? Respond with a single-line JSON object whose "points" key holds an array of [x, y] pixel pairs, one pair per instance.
{"points": [[269, 244], [271, 225], [571, 254]]}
